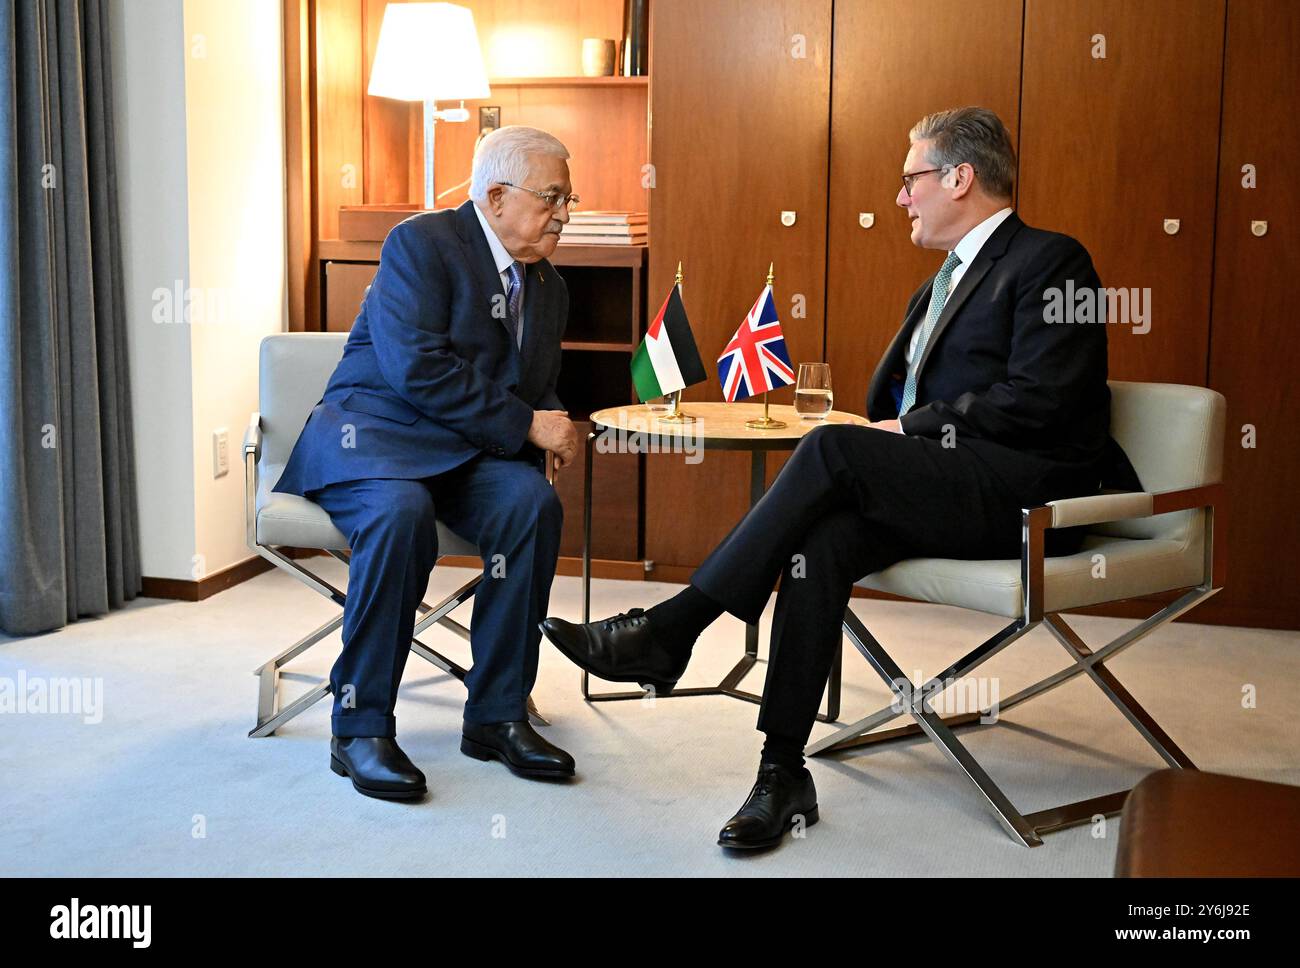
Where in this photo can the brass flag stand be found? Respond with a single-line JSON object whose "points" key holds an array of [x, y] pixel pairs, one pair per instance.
{"points": [[676, 416], [766, 422]]}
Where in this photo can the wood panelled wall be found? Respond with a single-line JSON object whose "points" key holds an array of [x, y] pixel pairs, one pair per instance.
{"points": [[872, 272], [804, 106], [1254, 340], [1110, 147], [739, 130]]}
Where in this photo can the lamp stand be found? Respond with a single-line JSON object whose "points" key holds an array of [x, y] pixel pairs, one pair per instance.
{"points": [[430, 121]]}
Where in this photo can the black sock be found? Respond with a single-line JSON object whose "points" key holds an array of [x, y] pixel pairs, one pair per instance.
{"points": [[782, 751], [678, 622]]}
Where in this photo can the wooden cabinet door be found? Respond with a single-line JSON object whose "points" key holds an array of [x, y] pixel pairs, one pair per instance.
{"points": [[1254, 349], [739, 102], [896, 61], [1119, 123], [345, 286]]}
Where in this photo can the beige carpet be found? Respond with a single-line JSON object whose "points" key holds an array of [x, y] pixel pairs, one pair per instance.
{"points": [[167, 782]]}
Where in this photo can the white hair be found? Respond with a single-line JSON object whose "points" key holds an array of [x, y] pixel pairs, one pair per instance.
{"points": [[504, 155]]}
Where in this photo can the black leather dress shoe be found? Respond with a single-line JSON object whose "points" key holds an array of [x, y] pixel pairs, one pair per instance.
{"points": [[518, 746], [779, 798], [619, 649], [377, 767]]}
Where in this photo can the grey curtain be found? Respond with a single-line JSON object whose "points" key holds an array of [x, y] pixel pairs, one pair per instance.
{"points": [[68, 530]]}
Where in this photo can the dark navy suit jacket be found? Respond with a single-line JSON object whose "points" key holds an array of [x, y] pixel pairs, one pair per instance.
{"points": [[430, 377], [1028, 397]]}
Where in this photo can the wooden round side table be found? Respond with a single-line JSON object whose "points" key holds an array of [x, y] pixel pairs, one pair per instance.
{"points": [[717, 426]]}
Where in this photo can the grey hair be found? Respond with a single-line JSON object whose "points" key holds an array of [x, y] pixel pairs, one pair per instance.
{"points": [[503, 156], [976, 136]]}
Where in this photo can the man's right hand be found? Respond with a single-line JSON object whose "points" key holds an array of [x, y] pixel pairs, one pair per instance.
{"points": [[553, 430]]}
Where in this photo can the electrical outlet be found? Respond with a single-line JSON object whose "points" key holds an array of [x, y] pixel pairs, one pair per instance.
{"points": [[489, 119], [220, 452]]}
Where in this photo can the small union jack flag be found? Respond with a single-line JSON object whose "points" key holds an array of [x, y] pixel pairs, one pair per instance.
{"points": [[756, 359]]}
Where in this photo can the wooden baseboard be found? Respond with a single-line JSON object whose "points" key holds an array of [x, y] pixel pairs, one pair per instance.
{"points": [[677, 574], [569, 566], [196, 590], [1138, 609], [1210, 613]]}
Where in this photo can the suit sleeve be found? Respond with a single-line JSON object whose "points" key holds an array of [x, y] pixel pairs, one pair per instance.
{"points": [[407, 309], [550, 398], [1051, 370]]}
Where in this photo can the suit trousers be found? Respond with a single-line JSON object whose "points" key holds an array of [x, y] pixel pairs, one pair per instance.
{"points": [[507, 508], [850, 501]]}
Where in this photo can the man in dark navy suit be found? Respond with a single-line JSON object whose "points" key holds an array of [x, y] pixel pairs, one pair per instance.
{"points": [[980, 407], [444, 404]]}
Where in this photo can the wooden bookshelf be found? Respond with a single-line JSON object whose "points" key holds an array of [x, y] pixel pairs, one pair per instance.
{"points": [[355, 169], [613, 256]]}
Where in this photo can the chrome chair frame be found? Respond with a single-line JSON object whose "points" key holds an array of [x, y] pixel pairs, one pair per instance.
{"points": [[270, 714], [915, 700]]}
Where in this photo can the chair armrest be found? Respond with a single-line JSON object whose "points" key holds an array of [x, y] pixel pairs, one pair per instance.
{"points": [[253, 436], [1074, 511], [1100, 508]]}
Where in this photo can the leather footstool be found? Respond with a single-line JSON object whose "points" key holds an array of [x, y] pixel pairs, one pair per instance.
{"points": [[1185, 823]]}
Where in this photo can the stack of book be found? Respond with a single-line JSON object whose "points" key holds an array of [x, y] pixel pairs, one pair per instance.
{"points": [[606, 228]]}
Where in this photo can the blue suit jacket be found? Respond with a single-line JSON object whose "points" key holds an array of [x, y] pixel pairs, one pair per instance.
{"points": [[430, 377]]}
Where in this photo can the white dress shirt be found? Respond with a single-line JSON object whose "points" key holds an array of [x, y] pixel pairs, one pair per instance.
{"points": [[503, 260], [967, 249]]}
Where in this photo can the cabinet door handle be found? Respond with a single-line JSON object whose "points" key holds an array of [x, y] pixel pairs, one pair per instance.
{"points": [[866, 219], [1172, 225], [787, 218], [1258, 228]]}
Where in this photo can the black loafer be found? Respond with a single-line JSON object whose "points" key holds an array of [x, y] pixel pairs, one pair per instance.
{"points": [[779, 799], [619, 649], [377, 767], [519, 747]]}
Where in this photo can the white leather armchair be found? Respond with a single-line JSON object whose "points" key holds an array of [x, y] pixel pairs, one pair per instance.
{"points": [[293, 371], [1138, 544]]}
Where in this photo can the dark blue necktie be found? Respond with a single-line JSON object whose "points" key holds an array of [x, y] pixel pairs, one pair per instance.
{"points": [[515, 299]]}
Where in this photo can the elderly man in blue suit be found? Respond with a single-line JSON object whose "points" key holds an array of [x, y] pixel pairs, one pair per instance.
{"points": [[444, 403]]}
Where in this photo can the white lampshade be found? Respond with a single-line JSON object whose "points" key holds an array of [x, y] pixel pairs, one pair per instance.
{"points": [[428, 52]]}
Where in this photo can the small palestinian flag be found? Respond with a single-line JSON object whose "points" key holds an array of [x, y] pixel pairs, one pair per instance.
{"points": [[667, 360]]}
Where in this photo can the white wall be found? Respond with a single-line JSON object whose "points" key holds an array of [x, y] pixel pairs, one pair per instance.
{"points": [[149, 129], [201, 170], [235, 165]]}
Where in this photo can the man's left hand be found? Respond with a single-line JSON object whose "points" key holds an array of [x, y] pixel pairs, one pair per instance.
{"points": [[893, 426]]}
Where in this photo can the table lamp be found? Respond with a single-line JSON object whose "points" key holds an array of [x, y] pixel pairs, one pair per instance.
{"points": [[429, 52]]}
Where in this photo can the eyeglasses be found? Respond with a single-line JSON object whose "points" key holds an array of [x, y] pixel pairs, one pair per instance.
{"points": [[909, 179], [555, 200]]}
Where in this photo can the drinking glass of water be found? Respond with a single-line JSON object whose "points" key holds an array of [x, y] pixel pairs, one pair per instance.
{"points": [[813, 398]]}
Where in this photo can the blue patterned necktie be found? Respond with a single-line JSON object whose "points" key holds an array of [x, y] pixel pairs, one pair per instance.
{"points": [[937, 301], [515, 298]]}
